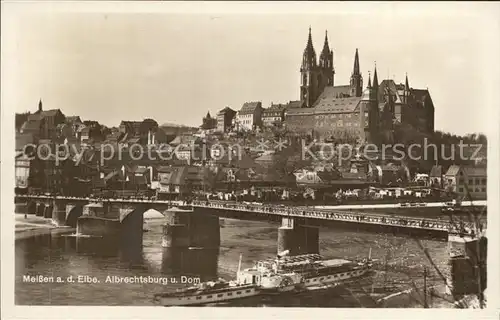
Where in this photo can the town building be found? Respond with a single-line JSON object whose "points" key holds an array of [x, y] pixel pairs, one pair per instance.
{"points": [[180, 182], [225, 119], [250, 116], [51, 118], [436, 177], [466, 181], [143, 130], [274, 115]]}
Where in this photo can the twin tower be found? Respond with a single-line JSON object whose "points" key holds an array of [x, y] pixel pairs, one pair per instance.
{"points": [[315, 76]]}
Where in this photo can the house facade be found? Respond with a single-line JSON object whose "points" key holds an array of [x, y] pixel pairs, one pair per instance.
{"points": [[250, 116], [225, 119], [467, 181], [274, 115]]}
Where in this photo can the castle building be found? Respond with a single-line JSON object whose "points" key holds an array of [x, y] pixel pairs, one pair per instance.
{"points": [[225, 119], [250, 116], [349, 113], [209, 123]]}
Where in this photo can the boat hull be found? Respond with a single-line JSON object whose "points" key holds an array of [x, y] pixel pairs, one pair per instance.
{"points": [[208, 298]]}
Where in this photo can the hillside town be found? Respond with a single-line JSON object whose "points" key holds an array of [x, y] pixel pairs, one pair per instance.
{"points": [[287, 151]]}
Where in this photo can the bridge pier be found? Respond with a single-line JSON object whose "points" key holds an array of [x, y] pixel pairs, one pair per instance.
{"points": [[467, 265], [47, 212], [189, 228], [31, 207], [297, 238], [21, 207], [59, 213], [40, 207]]}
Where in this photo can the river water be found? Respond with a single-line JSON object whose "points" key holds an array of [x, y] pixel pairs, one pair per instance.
{"points": [[399, 264]]}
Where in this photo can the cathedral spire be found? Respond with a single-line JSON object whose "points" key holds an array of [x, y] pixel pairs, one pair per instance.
{"points": [[326, 60], [309, 57], [356, 78], [375, 78], [355, 70], [369, 80], [40, 105], [326, 47], [407, 86]]}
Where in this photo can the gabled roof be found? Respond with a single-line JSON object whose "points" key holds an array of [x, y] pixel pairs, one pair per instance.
{"points": [[475, 171], [32, 125], [436, 171], [73, 119], [275, 108], [393, 87], [225, 110], [295, 104], [453, 170], [250, 107], [327, 102], [50, 113], [339, 91], [35, 116]]}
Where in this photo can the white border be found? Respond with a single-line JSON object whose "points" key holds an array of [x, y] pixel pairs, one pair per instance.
{"points": [[489, 64]]}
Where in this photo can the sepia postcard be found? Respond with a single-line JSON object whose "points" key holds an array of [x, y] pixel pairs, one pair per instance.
{"points": [[249, 160]]}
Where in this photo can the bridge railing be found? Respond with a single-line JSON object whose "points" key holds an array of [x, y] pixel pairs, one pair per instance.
{"points": [[349, 216], [428, 224]]}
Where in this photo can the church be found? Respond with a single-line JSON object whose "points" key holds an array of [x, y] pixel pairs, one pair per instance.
{"points": [[351, 113]]}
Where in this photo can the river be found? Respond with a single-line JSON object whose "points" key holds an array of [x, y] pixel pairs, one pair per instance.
{"points": [[399, 264]]}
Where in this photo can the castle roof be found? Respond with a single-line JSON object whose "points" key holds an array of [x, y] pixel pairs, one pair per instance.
{"points": [[225, 110], [294, 104], [250, 107]]}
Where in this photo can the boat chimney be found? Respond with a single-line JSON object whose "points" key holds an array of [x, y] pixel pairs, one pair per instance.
{"points": [[239, 264]]}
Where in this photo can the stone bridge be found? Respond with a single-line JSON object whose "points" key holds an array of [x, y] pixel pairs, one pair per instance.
{"points": [[200, 227]]}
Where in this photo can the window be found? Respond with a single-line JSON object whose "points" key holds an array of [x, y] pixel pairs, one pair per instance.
{"points": [[366, 114], [238, 292], [230, 294], [460, 189], [220, 295], [248, 290], [198, 298], [210, 296], [471, 182]]}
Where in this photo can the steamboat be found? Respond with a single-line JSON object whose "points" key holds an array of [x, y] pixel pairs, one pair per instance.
{"points": [[285, 274], [311, 272]]}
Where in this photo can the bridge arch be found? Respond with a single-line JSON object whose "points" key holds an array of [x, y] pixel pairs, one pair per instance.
{"points": [[73, 212]]}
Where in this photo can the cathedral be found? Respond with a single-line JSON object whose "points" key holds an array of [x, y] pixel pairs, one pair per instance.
{"points": [[350, 113]]}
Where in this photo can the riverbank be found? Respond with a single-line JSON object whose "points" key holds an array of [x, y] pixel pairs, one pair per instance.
{"points": [[31, 225]]}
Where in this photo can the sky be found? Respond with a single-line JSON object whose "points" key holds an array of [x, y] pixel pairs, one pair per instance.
{"points": [[175, 66]]}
